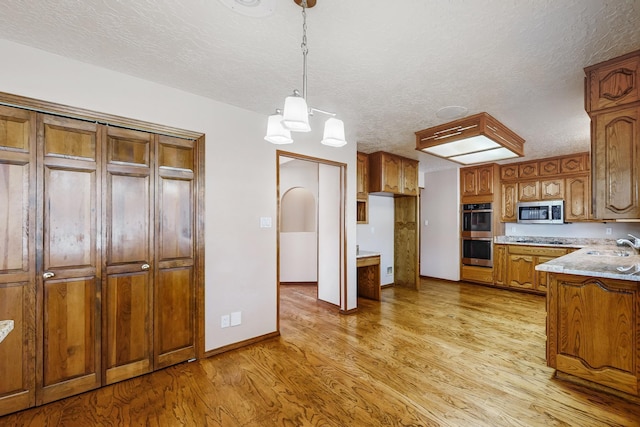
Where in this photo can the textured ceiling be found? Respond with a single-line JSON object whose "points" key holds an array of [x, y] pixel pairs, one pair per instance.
{"points": [[384, 66]]}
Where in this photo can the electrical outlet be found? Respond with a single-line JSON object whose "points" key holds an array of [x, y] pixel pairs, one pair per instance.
{"points": [[608, 231], [513, 229], [389, 270], [236, 318], [224, 321]]}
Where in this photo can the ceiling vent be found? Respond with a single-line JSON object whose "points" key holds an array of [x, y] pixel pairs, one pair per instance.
{"points": [[253, 8]]}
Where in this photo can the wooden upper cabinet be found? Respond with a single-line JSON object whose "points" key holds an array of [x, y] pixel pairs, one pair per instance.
{"points": [[410, 177], [477, 181], [509, 172], [577, 206], [509, 202], [552, 189], [616, 151], [529, 191], [362, 182], [613, 83], [389, 173], [574, 164], [549, 167], [528, 170]]}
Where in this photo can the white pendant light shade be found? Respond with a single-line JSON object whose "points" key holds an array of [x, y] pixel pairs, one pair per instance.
{"points": [[276, 134], [333, 133], [296, 114]]}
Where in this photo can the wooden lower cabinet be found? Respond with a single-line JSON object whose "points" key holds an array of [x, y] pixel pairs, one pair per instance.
{"points": [[593, 326], [514, 266]]}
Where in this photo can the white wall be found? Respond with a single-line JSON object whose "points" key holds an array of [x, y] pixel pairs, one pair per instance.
{"points": [[240, 187], [440, 225], [377, 235]]}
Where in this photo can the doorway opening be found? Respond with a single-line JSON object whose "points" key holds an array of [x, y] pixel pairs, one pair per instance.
{"points": [[311, 226]]}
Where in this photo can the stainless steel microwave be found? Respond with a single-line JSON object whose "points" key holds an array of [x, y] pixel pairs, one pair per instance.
{"points": [[543, 212]]}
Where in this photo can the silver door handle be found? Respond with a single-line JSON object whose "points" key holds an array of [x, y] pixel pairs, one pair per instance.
{"points": [[48, 275], [145, 267]]}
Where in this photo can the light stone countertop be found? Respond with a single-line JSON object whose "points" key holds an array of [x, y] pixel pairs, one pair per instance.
{"points": [[598, 261], [365, 254], [6, 326]]}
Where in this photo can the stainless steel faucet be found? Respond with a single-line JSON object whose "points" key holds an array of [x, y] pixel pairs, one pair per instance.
{"points": [[635, 244]]}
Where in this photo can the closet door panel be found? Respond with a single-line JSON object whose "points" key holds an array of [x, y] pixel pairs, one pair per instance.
{"points": [[128, 321], [175, 288], [69, 335], [17, 257]]}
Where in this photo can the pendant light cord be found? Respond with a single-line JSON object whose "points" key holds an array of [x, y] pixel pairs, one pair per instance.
{"points": [[305, 50]]}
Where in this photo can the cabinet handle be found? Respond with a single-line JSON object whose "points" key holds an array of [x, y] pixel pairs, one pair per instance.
{"points": [[145, 267], [48, 275]]}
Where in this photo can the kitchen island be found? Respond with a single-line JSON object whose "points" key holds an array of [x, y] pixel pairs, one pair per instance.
{"points": [[593, 318]]}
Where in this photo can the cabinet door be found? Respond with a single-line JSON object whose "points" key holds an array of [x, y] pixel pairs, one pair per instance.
{"points": [[614, 83], [542, 277], [128, 296], [500, 265], [573, 164], [409, 177], [508, 172], [616, 151], [484, 184], [468, 181], [17, 257], [549, 167], [528, 170], [509, 202], [391, 174], [552, 189], [174, 327], [593, 330], [362, 181], [521, 271], [69, 336], [529, 191], [577, 198]]}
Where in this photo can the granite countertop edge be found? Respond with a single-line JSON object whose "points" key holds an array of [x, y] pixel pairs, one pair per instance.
{"points": [[366, 254]]}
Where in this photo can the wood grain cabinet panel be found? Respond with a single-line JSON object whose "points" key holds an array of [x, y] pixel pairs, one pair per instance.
{"points": [[362, 182], [477, 182], [574, 164], [509, 194], [528, 191], [17, 258], [616, 151], [593, 325], [577, 206], [509, 172], [552, 189], [528, 170], [520, 273], [392, 174], [549, 167], [500, 265], [613, 83]]}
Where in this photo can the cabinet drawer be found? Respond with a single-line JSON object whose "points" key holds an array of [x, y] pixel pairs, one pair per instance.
{"points": [[613, 83], [538, 250]]}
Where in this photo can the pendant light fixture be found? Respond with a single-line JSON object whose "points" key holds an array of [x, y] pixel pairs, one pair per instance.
{"points": [[295, 116]]}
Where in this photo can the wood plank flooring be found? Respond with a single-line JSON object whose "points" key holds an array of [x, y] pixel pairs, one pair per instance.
{"points": [[447, 355]]}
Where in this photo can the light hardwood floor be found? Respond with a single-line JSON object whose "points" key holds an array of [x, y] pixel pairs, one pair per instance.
{"points": [[448, 355]]}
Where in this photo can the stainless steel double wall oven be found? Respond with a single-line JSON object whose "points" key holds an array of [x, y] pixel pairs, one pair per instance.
{"points": [[477, 234]]}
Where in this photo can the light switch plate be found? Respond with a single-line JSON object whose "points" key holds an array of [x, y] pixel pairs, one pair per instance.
{"points": [[236, 318], [265, 222]]}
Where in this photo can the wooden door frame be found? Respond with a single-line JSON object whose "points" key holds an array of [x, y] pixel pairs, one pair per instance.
{"points": [[62, 110], [343, 230]]}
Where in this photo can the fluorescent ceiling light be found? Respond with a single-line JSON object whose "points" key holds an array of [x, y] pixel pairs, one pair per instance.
{"points": [[475, 139]]}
